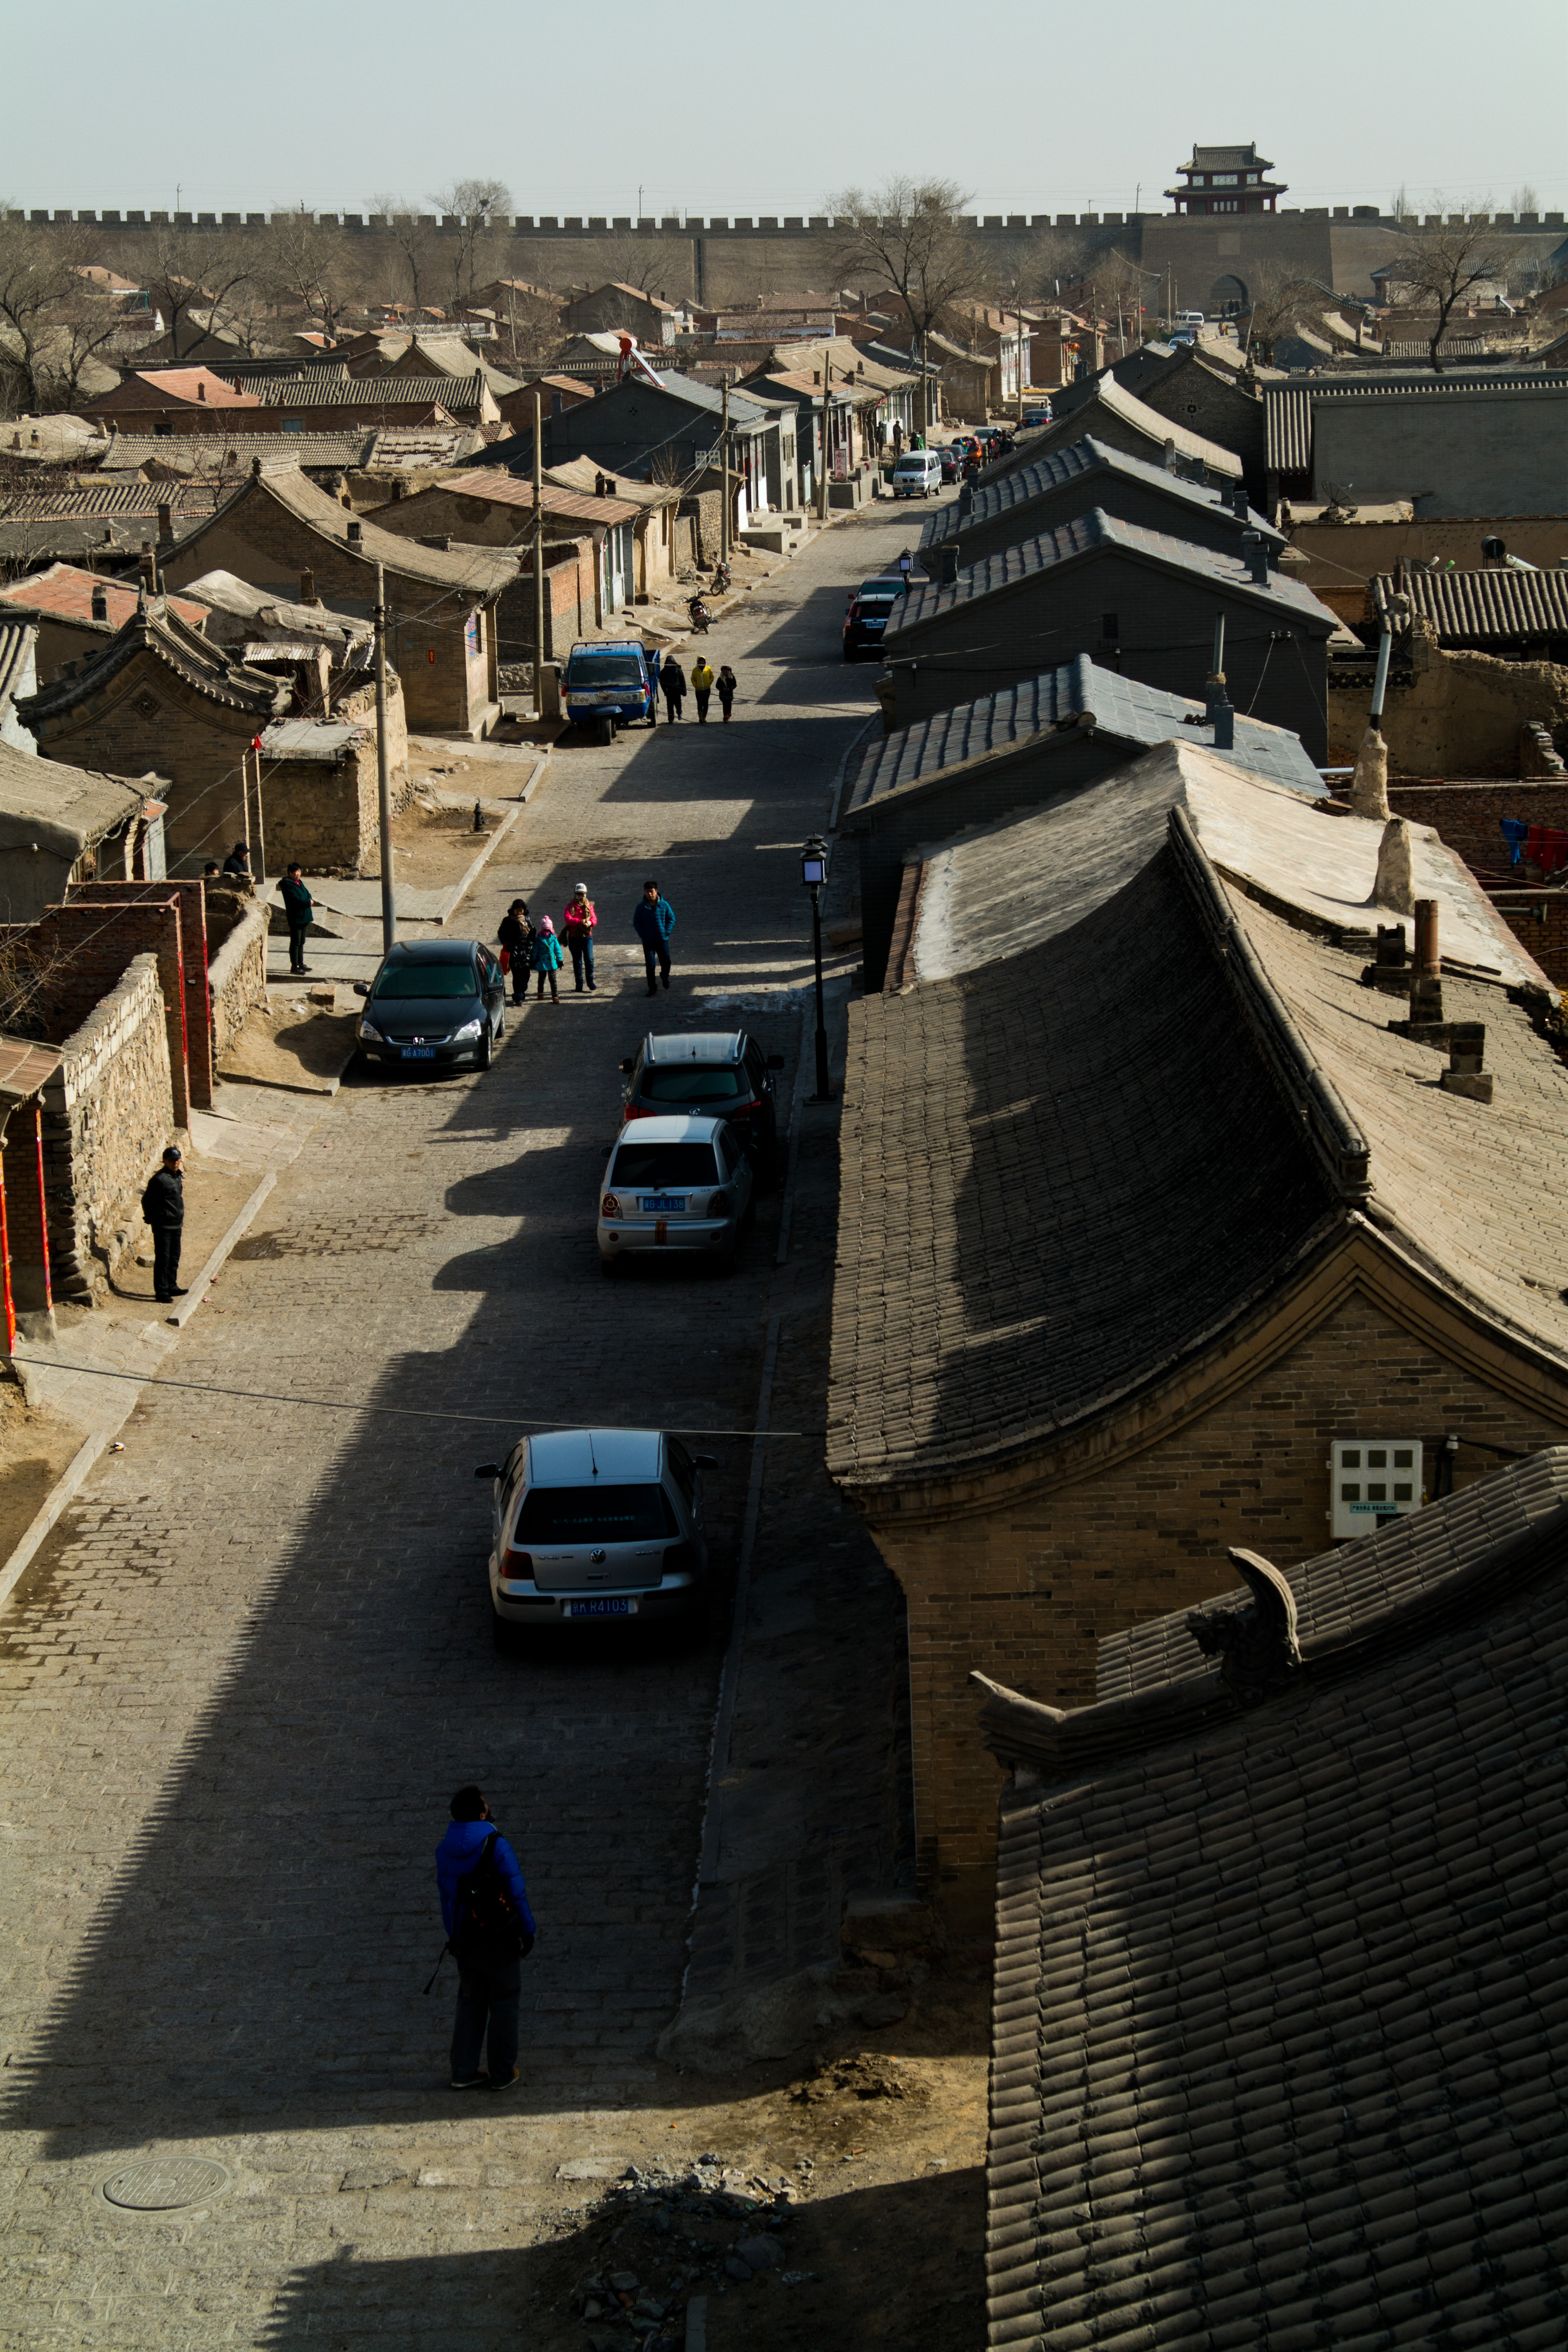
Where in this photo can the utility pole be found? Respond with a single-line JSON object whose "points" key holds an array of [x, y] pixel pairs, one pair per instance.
{"points": [[827, 429], [538, 555], [383, 780], [724, 470]]}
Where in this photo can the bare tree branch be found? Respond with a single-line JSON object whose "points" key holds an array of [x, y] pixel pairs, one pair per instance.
{"points": [[908, 239], [1439, 268], [480, 206]]}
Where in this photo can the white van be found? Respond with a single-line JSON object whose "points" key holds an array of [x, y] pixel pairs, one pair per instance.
{"points": [[917, 473]]}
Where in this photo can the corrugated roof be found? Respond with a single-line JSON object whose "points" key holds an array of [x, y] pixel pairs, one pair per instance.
{"points": [[1028, 558], [1496, 603], [1055, 700], [1025, 484], [1288, 407]]}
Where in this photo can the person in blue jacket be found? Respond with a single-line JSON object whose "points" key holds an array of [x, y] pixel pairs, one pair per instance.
{"points": [[489, 1974], [652, 919]]}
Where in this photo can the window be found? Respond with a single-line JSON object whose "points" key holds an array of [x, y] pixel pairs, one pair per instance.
{"points": [[1109, 626], [595, 1515], [654, 1167], [682, 1084], [587, 671], [401, 981], [1223, 179]]}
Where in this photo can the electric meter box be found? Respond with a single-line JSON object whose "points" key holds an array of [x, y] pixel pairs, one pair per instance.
{"points": [[1373, 1480]]}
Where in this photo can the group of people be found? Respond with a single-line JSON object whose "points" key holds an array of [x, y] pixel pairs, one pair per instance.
{"points": [[530, 947], [705, 683]]}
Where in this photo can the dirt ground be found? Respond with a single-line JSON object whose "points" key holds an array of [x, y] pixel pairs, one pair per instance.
{"points": [[434, 845], [280, 1045], [36, 1446]]}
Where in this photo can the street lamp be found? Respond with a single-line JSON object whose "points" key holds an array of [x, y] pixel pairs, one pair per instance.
{"points": [[813, 874]]}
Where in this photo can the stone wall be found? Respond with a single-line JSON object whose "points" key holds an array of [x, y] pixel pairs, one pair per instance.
{"points": [[236, 976], [1467, 815], [325, 814], [107, 1115], [1027, 1593], [1457, 714], [86, 951], [1498, 450], [190, 896]]}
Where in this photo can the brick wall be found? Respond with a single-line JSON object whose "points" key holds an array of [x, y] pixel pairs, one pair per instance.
{"points": [[1025, 1595], [1538, 921], [1193, 396], [1466, 814], [87, 949], [26, 1233], [147, 720], [325, 814], [108, 1114], [195, 951]]}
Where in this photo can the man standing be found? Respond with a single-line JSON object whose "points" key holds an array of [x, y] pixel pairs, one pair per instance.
{"points": [[163, 1206], [580, 921], [702, 687], [652, 919], [296, 908], [672, 678], [236, 864], [490, 1931]]}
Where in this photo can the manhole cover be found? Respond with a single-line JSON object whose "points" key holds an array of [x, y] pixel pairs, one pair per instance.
{"points": [[157, 2184]]}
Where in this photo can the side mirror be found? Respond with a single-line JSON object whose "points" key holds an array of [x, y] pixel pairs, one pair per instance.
{"points": [[775, 1061], [628, 1067], [706, 1461], [362, 988], [488, 1470]]}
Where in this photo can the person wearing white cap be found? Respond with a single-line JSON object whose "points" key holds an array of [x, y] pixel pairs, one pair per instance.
{"points": [[578, 923]]}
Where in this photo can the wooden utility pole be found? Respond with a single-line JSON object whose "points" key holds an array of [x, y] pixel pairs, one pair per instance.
{"points": [[539, 553], [724, 467], [383, 778], [827, 429]]}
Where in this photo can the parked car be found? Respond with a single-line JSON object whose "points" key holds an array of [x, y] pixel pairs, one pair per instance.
{"points": [[715, 1074], [676, 1184], [866, 623], [591, 1525], [436, 1002], [1039, 413], [952, 462], [917, 473], [612, 681]]}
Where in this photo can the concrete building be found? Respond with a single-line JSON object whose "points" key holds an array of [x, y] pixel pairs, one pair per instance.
{"points": [[1142, 603], [1147, 1218]]}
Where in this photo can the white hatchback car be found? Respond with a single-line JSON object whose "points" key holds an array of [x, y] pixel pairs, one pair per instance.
{"points": [[675, 1184], [590, 1525]]}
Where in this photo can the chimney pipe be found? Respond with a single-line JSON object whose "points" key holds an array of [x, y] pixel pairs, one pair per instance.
{"points": [[1239, 500], [356, 535], [1224, 725], [1426, 976], [308, 587], [99, 604], [165, 522], [1256, 555], [1466, 1051]]}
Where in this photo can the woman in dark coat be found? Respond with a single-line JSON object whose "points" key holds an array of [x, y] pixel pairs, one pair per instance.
{"points": [[516, 936], [672, 678]]}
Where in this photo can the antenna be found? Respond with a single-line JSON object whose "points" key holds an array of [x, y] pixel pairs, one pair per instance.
{"points": [[592, 1457]]}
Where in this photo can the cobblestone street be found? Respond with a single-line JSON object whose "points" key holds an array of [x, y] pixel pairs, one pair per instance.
{"points": [[254, 1658]]}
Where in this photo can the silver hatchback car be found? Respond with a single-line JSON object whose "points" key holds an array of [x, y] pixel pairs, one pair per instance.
{"points": [[591, 1525], [674, 1183]]}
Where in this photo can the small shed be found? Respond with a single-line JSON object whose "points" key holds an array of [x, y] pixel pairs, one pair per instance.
{"points": [[54, 819]]}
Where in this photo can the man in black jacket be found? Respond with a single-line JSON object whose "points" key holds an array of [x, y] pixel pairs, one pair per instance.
{"points": [[297, 904], [163, 1206]]}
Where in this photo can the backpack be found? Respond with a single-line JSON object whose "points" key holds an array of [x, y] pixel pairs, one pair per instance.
{"points": [[488, 1920]]}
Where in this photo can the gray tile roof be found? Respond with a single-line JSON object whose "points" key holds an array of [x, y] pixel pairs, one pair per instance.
{"points": [[1279, 2055], [1288, 407], [1122, 706], [1026, 484], [211, 671], [1108, 397], [1068, 541], [1498, 601]]}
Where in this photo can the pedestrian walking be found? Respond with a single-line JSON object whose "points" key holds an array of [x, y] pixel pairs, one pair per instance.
{"points": [[515, 938], [672, 678], [652, 919], [490, 1932], [546, 958], [726, 683], [702, 687], [581, 921], [236, 864], [297, 904], [163, 1206]]}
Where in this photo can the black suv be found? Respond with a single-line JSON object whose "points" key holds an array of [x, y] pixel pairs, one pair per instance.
{"points": [[870, 608], [715, 1074]]}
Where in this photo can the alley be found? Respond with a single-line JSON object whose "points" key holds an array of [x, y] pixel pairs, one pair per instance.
{"points": [[252, 1661]]}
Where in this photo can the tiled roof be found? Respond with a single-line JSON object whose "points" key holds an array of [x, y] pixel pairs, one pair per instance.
{"points": [[189, 384], [1279, 2056], [482, 571], [1112, 400], [1122, 706], [233, 454], [1025, 484], [496, 487], [1028, 558], [66, 592], [1288, 407], [16, 643], [579, 474], [72, 538], [323, 388], [210, 670], [1496, 603], [93, 497], [66, 808], [24, 1069]]}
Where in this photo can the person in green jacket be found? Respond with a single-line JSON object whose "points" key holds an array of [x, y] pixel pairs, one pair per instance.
{"points": [[547, 959], [298, 905]]}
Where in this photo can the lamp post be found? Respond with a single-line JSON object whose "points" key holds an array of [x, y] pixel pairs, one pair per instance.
{"points": [[814, 874]]}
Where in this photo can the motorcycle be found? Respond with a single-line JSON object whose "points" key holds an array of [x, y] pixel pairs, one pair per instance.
{"points": [[701, 618], [720, 578]]}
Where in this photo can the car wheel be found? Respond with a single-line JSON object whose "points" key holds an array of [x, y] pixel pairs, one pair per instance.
{"points": [[502, 1633], [487, 1050]]}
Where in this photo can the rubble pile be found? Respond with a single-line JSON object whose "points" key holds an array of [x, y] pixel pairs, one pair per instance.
{"points": [[662, 2235]]}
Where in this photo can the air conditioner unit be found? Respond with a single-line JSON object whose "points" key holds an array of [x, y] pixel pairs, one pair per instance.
{"points": [[1373, 1481]]}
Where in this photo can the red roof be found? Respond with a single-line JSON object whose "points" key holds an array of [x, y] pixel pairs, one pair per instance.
{"points": [[67, 590], [192, 385]]}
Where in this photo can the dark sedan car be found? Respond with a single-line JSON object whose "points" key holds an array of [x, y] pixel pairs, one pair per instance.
{"points": [[713, 1075], [434, 1002]]}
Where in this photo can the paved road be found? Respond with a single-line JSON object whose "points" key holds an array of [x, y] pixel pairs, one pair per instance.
{"points": [[255, 1659]]}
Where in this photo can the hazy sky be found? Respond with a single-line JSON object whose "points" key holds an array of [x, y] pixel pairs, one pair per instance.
{"points": [[746, 110]]}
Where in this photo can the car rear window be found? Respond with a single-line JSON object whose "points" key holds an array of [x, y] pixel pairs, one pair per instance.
{"points": [[596, 1514], [657, 1166], [604, 669], [427, 980], [683, 1083]]}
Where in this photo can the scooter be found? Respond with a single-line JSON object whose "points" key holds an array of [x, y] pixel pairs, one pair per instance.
{"points": [[701, 618], [720, 578]]}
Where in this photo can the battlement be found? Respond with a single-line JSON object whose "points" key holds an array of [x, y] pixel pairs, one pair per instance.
{"points": [[549, 225]]}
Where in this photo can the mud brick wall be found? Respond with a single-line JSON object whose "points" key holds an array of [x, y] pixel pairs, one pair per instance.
{"points": [[108, 1114], [322, 815], [1026, 1594], [195, 950], [87, 949], [1538, 921]]}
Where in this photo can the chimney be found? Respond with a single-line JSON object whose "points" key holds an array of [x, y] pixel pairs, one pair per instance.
{"points": [[149, 572], [1255, 548], [308, 587], [200, 391], [356, 535], [1239, 499], [165, 522], [99, 604], [1426, 971], [1467, 1051], [1171, 457], [1224, 724]]}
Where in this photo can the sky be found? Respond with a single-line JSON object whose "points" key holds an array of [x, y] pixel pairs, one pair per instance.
{"points": [[747, 109]]}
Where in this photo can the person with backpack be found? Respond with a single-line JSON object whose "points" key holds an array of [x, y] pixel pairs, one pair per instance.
{"points": [[490, 1932]]}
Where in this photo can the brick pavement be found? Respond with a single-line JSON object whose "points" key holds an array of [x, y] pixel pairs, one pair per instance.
{"points": [[253, 1660]]}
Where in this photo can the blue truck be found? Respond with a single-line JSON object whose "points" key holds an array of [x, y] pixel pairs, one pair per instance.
{"points": [[611, 682]]}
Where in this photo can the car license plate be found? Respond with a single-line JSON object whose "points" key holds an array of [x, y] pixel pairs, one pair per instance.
{"points": [[608, 1608], [662, 1205], [419, 1053]]}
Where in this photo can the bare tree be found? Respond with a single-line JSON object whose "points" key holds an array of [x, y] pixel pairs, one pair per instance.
{"points": [[308, 264], [478, 206], [908, 239], [412, 241], [188, 269], [1442, 266], [1525, 200], [1281, 301], [52, 317], [654, 265], [1115, 285]]}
